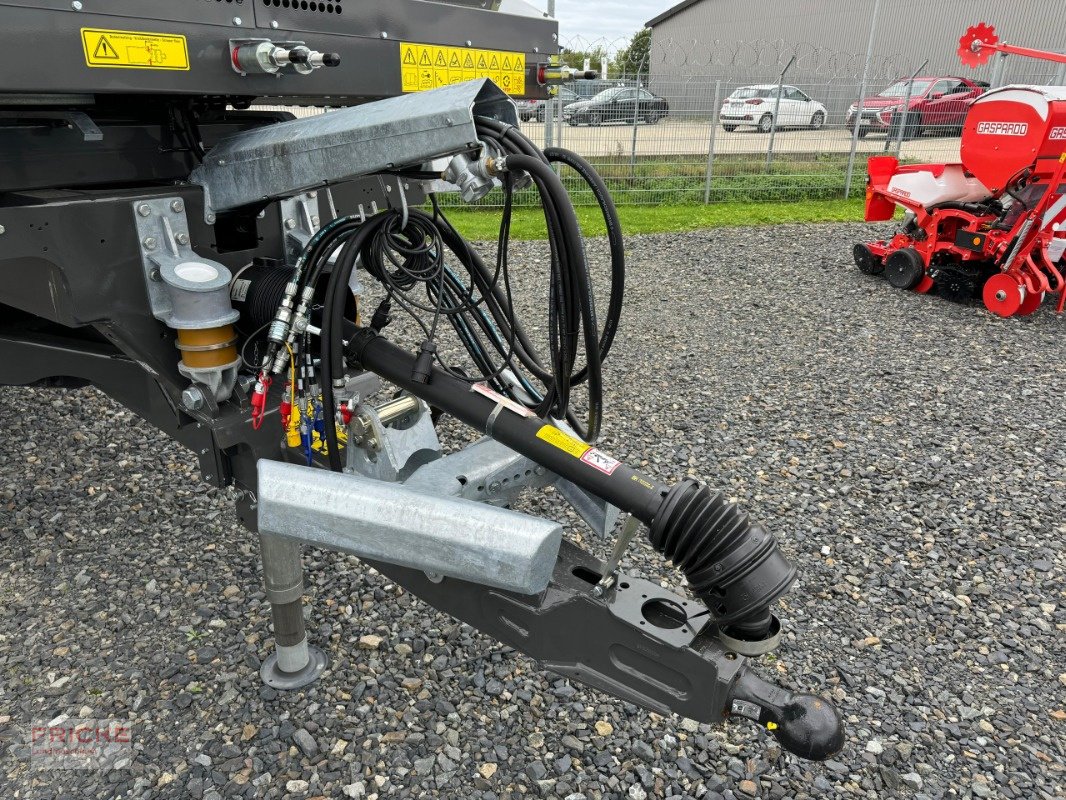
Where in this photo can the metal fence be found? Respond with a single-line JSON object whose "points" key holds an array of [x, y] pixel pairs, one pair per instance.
{"points": [[698, 133]]}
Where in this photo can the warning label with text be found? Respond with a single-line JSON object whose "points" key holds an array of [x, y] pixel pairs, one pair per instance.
{"points": [[428, 66], [134, 49]]}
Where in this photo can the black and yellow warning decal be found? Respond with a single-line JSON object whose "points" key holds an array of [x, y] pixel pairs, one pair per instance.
{"points": [[428, 66], [564, 441], [134, 49]]}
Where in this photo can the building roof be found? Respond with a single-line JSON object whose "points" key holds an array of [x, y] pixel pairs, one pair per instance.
{"points": [[651, 23]]}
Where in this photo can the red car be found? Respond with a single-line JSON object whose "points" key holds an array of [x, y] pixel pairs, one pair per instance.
{"points": [[937, 104]]}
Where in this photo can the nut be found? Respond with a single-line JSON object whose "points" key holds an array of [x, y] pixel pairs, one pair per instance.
{"points": [[192, 399]]}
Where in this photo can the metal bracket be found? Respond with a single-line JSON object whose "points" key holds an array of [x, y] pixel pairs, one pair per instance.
{"points": [[486, 471], [629, 530], [300, 221], [163, 232], [597, 513], [388, 453]]}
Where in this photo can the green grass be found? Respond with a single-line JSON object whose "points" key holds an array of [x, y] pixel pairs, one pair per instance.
{"points": [[528, 223], [673, 180]]}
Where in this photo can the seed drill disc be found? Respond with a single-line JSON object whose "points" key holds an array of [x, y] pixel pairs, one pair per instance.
{"points": [[1031, 303], [1003, 294], [904, 268], [925, 283], [866, 261]]}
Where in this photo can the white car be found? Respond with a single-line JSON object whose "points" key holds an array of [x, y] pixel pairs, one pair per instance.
{"points": [[754, 105]]}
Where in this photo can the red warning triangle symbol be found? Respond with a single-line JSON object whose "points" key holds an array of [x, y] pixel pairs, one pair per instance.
{"points": [[104, 49]]}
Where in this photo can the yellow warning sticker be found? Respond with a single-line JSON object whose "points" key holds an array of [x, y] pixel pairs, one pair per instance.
{"points": [[562, 440], [134, 49], [427, 66]]}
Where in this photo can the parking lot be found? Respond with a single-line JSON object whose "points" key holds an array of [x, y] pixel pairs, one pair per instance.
{"points": [[691, 137]]}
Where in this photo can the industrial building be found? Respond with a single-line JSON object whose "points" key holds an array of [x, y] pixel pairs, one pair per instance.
{"points": [[698, 42]]}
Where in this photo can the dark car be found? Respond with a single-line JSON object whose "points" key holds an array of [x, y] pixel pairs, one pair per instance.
{"points": [[937, 104], [538, 109], [620, 104]]}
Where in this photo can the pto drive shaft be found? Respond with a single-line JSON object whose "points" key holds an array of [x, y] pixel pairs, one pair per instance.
{"points": [[734, 566]]}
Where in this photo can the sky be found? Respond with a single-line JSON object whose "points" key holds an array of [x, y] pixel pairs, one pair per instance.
{"points": [[610, 19]]}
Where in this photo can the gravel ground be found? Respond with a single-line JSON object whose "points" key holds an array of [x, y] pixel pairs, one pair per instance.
{"points": [[907, 452]]}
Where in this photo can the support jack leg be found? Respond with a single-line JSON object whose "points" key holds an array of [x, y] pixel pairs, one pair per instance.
{"points": [[293, 664]]}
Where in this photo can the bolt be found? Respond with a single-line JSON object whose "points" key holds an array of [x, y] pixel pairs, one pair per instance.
{"points": [[246, 382], [3, 230], [183, 238], [155, 275], [210, 219], [149, 243], [468, 43], [312, 195], [384, 34], [315, 220], [76, 5], [192, 398], [555, 37], [538, 470], [177, 206], [274, 24], [290, 224], [494, 487], [237, 21], [536, 49], [144, 210]]}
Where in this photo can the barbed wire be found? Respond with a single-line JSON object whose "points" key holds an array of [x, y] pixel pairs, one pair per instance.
{"points": [[697, 58]]}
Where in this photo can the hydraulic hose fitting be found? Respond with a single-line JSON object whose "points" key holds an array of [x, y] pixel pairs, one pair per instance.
{"points": [[733, 566]]}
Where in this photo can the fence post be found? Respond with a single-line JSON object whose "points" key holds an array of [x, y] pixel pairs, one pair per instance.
{"points": [[862, 96], [636, 118], [710, 143], [777, 109], [906, 109], [1000, 61]]}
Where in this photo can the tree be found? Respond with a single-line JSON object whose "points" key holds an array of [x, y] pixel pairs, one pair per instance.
{"points": [[576, 58], [635, 57]]}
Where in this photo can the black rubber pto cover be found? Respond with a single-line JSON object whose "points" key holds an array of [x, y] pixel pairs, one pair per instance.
{"points": [[904, 268]]}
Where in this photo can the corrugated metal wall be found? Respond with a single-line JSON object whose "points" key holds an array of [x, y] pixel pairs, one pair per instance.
{"points": [[749, 41]]}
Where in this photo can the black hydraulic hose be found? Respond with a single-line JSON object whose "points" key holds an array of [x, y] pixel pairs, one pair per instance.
{"points": [[549, 184], [735, 567], [614, 241], [332, 316]]}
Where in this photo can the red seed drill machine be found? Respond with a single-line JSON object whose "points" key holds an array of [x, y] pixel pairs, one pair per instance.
{"points": [[995, 223]]}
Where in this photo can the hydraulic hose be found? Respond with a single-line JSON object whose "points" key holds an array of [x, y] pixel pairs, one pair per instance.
{"points": [[736, 568], [549, 184]]}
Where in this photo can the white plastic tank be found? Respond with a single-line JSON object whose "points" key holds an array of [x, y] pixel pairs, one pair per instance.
{"points": [[930, 184]]}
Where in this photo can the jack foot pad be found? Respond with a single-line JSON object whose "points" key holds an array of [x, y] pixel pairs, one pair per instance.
{"points": [[274, 677]]}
